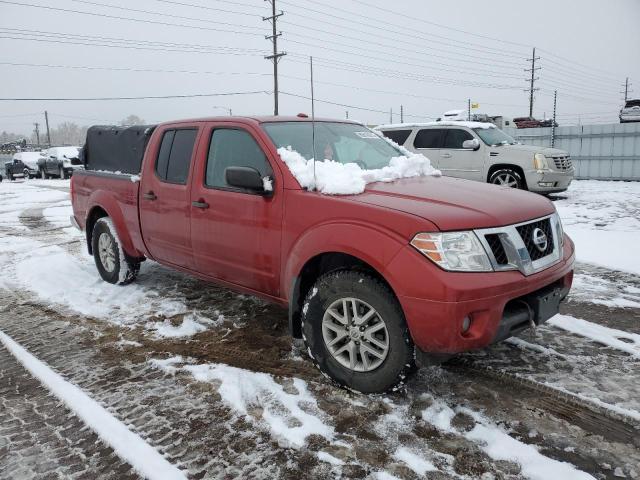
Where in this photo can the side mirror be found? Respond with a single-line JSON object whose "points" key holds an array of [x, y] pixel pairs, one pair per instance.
{"points": [[473, 144], [52, 157], [245, 177]]}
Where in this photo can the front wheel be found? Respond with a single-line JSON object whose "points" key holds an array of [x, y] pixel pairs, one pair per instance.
{"points": [[507, 177], [355, 332], [112, 263], [26, 174]]}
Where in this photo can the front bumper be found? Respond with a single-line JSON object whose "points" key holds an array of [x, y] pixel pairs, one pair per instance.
{"points": [[491, 300], [549, 181], [629, 118]]}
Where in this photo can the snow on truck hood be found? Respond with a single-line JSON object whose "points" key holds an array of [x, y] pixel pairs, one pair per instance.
{"points": [[457, 204], [335, 178]]}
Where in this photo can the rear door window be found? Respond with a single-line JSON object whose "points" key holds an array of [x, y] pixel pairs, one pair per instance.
{"points": [[428, 138], [174, 157], [455, 137], [398, 136]]}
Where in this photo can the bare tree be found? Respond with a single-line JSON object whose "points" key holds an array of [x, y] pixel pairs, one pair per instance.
{"points": [[132, 120]]}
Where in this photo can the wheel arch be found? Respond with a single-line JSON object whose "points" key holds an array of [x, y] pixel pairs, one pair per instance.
{"points": [[499, 166], [317, 266], [103, 205]]}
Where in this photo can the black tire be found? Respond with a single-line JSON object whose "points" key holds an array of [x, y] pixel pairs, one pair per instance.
{"points": [[124, 270], [399, 361], [497, 177], [26, 174], [10, 177]]}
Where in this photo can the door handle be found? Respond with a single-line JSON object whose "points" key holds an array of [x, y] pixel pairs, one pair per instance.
{"points": [[149, 196], [446, 155], [200, 204]]}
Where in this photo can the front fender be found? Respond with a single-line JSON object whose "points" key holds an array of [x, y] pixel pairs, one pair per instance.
{"points": [[371, 244], [107, 202]]}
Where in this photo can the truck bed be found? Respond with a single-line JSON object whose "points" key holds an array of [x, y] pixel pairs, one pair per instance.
{"points": [[115, 191]]}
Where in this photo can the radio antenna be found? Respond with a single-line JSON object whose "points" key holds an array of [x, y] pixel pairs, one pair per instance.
{"points": [[313, 125]]}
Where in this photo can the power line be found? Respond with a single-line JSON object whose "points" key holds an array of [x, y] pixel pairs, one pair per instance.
{"points": [[126, 69], [115, 17], [145, 97]]}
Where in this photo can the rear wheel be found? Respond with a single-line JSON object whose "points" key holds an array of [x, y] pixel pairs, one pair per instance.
{"points": [[507, 177], [26, 174], [354, 331], [112, 263]]}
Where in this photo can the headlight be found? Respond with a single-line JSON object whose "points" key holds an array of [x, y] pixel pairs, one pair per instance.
{"points": [[455, 251], [559, 229], [540, 162]]}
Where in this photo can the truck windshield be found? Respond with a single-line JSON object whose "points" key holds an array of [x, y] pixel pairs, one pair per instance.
{"points": [[494, 137], [341, 142]]}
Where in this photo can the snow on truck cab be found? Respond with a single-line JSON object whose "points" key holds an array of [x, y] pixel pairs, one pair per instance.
{"points": [[481, 151], [382, 262]]}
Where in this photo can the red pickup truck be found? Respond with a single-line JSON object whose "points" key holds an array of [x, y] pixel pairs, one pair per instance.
{"points": [[403, 272]]}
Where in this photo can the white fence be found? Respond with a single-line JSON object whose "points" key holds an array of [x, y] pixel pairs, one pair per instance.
{"points": [[605, 152]]}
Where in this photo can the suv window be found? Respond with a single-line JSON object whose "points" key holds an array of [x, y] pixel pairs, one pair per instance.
{"points": [[428, 138], [174, 157], [398, 136], [455, 137], [233, 148]]}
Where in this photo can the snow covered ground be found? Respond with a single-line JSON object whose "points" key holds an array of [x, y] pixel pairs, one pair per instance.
{"points": [[234, 351]]}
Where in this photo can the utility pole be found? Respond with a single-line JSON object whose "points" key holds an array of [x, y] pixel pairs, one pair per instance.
{"points": [[469, 109], [553, 125], [37, 125], [347, 114], [532, 79], [627, 91], [275, 57], [391, 115], [46, 120], [401, 114]]}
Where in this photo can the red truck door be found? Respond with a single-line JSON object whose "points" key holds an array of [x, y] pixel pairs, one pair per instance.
{"points": [[165, 196], [236, 234]]}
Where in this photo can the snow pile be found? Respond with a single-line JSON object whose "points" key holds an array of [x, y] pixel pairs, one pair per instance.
{"points": [[129, 446], [256, 395], [414, 462], [444, 123], [500, 446], [191, 324], [618, 339], [335, 178]]}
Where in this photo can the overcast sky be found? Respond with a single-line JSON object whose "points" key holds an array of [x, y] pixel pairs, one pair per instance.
{"points": [[429, 56]]}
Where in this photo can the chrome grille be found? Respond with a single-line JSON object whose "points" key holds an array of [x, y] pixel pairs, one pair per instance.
{"points": [[526, 232], [562, 162], [512, 247]]}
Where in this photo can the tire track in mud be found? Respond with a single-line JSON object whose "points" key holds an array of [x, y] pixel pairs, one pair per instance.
{"points": [[243, 353]]}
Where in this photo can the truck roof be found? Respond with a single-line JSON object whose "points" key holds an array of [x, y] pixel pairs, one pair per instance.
{"points": [[259, 119]]}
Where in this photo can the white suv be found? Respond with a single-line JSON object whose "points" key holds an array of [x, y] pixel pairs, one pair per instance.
{"points": [[483, 152]]}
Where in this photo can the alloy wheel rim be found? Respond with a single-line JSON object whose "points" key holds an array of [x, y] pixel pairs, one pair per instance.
{"points": [[106, 252], [506, 179], [355, 334]]}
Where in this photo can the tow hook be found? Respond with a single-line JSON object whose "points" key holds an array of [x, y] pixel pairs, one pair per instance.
{"points": [[532, 323]]}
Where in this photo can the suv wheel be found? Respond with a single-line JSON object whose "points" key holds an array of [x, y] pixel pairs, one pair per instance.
{"points": [[507, 177], [355, 332], [26, 173], [111, 262]]}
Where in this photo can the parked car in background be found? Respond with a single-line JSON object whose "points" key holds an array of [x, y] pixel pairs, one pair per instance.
{"points": [[59, 162], [630, 112], [22, 165], [373, 281], [483, 152]]}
